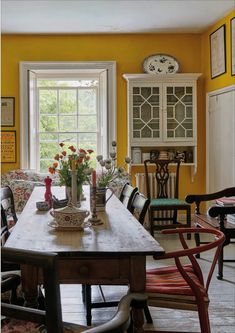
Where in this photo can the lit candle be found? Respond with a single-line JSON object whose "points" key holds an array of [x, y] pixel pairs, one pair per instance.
{"points": [[94, 178]]}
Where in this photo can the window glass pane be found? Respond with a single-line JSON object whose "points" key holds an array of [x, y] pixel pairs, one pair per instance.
{"points": [[48, 124], [87, 123], [45, 164], [48, 137], [67, 123], [47, 101], [68, 138], [67, 102], [67, 83], [87, 101], [48, 149]]}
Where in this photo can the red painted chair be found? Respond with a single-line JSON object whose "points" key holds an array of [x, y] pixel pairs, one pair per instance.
{"points": [[182, 286]]}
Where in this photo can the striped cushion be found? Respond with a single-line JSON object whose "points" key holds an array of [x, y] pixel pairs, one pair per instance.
{"points": [[168, 280]]}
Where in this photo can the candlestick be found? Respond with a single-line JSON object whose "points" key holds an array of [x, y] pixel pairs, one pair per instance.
{"points": [[74, 200], [93, 178], [94, 219]]}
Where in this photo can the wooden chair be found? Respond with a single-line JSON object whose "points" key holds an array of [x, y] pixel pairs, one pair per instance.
{"points": [[8, 213], [138, 207], [10, 279], [162, 202], [215, 218], [32, 320], [127, 194], [181, 286]]}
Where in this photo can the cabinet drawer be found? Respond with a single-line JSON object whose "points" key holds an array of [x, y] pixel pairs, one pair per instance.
{"points": [[88, 270]]}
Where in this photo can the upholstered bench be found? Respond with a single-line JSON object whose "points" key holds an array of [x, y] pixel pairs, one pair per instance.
{"points": [[22, 183]]}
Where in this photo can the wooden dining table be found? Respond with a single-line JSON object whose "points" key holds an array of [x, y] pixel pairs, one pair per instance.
{"points": [[111, 253]]}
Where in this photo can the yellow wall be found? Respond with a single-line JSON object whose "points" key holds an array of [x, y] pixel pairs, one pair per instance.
{"points": [[128, 51], [225, 79]]}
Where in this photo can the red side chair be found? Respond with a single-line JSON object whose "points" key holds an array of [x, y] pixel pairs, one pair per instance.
{"points": [[182, 286]]}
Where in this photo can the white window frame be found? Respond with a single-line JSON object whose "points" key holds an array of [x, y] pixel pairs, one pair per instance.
{"points": [[26, 67]]}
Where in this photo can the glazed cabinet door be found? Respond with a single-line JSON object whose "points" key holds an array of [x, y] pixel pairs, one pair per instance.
{"points": [[145, 112], [179, 112]]}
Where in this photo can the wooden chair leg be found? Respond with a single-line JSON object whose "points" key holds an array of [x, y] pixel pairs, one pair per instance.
{"points": [[220, 264], [148, 314], [175, 217], [204, 318], [151, 220], [84, 293], [88, 303], [197, 241]]}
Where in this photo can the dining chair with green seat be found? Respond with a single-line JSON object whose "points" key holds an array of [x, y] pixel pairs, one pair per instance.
{"points": [[28, 320], [181, 285], [161, 203]]}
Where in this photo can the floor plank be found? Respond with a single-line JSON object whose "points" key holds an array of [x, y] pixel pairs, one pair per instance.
{"points": [[221, 309]]}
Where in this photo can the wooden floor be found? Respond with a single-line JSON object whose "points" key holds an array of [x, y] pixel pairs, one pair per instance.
{"points": [[222, 296]]}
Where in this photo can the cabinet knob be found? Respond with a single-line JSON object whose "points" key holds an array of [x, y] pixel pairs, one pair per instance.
{"points": [[84, 270]]}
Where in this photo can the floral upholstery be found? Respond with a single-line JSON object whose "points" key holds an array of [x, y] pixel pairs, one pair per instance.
{"points": [[10, 325], [22, 183]]}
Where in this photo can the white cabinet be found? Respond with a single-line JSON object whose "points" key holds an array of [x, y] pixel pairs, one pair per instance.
{"points": [[162, 114]]}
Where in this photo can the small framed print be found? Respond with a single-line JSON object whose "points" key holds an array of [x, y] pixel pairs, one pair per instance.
{"points": [[8, 146], [7, 111], [232, 33], [218, 52]]}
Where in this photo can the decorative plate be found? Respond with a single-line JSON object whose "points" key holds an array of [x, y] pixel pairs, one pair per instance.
{"points": [[160, 64]]}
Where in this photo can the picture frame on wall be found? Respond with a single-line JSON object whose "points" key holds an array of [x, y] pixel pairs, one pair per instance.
{"points": [[7, 111], [218, 52], [232, 34], [8, 146]]}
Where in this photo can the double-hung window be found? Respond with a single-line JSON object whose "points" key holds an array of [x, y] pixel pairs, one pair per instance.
{"points": [[76, 107]]}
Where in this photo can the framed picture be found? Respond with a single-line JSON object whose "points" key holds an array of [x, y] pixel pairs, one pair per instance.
{"points": [[7, 111], [232, 33], [8, 146], [218, 52]]}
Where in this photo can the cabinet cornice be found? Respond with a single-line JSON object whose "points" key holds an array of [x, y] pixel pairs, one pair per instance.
{"points": [[181, 77]]}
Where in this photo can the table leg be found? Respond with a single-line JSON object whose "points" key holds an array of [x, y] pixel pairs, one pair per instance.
{"points": [[137, 284], [29, 276]]}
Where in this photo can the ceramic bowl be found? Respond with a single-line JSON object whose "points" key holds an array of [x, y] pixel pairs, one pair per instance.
{"points": [[69, 216], [43, 205]]}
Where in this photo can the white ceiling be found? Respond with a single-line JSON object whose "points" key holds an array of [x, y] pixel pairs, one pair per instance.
{"points": [[111, 16]]}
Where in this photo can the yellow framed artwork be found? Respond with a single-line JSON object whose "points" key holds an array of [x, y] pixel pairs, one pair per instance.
{"points": [[8, 146]]}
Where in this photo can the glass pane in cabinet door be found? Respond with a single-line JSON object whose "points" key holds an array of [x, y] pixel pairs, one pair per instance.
{"points": [[146, 112], [179, 113]]}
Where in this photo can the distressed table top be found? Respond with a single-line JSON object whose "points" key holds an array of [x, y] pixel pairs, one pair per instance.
{"points": [[120, 234]]}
